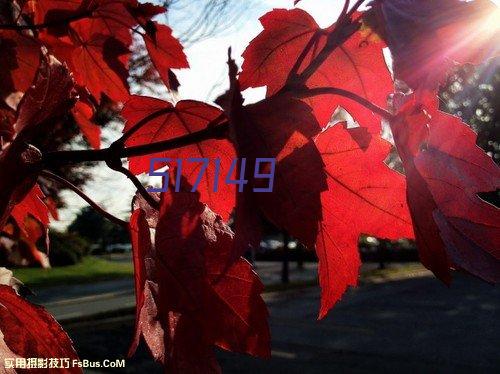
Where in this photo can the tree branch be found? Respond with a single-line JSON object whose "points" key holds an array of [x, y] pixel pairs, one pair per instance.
{"points": [[72, 157], [348, 94], [45, 25], [49, 175]]}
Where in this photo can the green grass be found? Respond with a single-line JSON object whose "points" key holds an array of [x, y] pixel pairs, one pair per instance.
{"points": [[91, 269], [402, 271]]}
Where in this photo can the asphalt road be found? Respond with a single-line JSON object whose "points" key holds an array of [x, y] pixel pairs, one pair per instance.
{"points": [[414, 325], [82, 301]]}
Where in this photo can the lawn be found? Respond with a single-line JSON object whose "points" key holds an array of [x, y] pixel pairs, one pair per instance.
{"points": [[91, 269]]}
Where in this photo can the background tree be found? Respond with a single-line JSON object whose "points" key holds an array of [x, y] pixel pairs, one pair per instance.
{"points": [[96, 229]]}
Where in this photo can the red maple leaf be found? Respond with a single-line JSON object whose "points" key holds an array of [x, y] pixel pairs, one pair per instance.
{"points": [[321, 187], [364, 196], [189, 296], [186, 117], [32, 204], [357, 65], [446, 170], [165, 51], [92, 132], [427, 38], [49, 98], [19, 58], [279, 127], [29, 331], [99, 62]]}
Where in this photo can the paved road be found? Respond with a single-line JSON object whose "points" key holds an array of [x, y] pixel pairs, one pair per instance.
{"points": [[73, 302], [69, 302], [414, 325]]}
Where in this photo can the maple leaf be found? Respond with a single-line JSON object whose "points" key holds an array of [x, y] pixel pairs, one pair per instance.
{"points": [[364, 196], [29, 331], [147, 319], [32, 218], [100, 63], [189, 295], [41, 108], [32, 204], [165, 51], [427, 38], [357, 65], [92, 132], [270, 56], [321, 186], [6, 353], [7, 119], [108, 17], [279, 127], [446, 170], [49, 98], [186, 117], [19, 58]]}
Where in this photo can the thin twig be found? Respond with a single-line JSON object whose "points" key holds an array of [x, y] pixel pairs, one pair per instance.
{"points": [[334, 40], [292, 76], [140, 188], [344, 9], [348, 94], [354, 8], [49, 175]]}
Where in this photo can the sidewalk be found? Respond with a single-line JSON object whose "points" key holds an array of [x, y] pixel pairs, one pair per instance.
{"points": [[116, 297]]}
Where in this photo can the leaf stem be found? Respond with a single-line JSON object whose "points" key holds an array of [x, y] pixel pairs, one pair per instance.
{"points": [[334, 40], [49, 175], [348, 94], [137, 183]]}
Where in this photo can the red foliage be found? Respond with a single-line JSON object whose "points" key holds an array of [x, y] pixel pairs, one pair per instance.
{"points": [[40, 109], [186, 117], [364, 196], [357, 65], [193, 289], [92, 132], [188, 298], [164, 50], [427, 38], [29, 331], [445, 171]]}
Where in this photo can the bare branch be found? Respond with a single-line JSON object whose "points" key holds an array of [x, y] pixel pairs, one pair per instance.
{"points": [[71, 157], [49, 175]]}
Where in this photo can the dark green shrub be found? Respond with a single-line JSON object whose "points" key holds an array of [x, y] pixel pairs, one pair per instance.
{"points": [[67, 248]]}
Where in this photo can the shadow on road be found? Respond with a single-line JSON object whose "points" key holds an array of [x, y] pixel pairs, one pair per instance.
{"points": [[415, 325]]}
